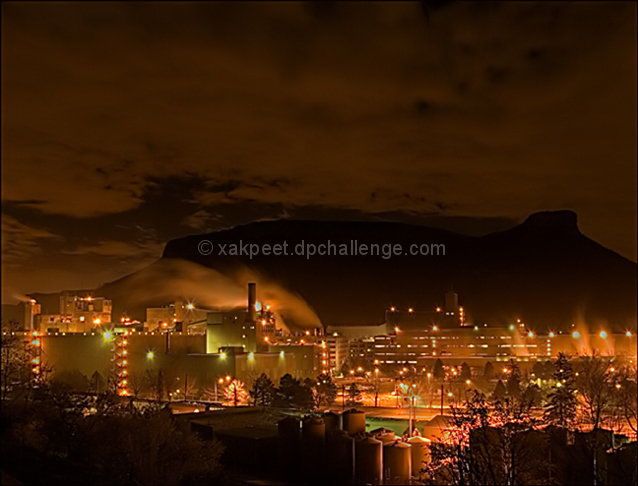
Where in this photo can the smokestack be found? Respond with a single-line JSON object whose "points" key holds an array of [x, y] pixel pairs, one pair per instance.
{"points": [[251, 315]]}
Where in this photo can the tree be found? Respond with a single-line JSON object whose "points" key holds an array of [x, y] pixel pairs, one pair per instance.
{"points": [[466, 371], [560, 409], [235, 393], [16, 370], [438, 372], [488, 371], [513, 384], [499, 391], [595, 389], [354, 394], [286, 391], [293, 393], [263, 391], [326, 390], [626, 394], [97, 383]]}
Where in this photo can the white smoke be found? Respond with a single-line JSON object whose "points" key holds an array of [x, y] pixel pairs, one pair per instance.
{"points": [[168, 280]]}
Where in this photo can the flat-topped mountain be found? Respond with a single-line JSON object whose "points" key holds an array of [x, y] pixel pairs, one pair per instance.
{"points": [[543, 271]]}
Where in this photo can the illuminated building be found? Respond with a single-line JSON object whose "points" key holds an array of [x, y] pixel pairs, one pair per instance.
{"points": [[69, 311]]}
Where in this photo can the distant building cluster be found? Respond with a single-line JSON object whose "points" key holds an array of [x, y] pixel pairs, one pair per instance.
{"points": [[247, 340]]}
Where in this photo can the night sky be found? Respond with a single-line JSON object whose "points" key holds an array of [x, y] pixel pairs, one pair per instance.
{"points": [[124, 126]]}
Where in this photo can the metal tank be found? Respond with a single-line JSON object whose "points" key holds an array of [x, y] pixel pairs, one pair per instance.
{"points": [[368, 461], [397, 462], [313, 435], [340, 457], [289, 435], [354, 421], [313, 430], [421, 454], [332, 421], [384, 435]]}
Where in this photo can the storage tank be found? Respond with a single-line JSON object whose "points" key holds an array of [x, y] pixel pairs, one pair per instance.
{"points": [[313, 434], [289, 432], [332, 421], [313, 430], [368, 461], [397, 462], [384, 435], [340, 454], [421, 454], [354, 421]]}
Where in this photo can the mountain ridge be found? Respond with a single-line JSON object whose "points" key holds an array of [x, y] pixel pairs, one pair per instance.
{"points": [[543, 270]]}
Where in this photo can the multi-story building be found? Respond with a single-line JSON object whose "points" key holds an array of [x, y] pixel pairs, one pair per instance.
{"points": [[69, 311]]}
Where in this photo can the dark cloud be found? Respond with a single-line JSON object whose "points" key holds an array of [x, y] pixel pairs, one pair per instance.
{"points": [[175, 117]]}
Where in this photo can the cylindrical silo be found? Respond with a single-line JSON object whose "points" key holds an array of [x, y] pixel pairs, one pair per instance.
{"points": [[397, 462], [313, 430], [289, 431], [313, 435], [384, 435], [368, 461], [354, 421], [332, 421], [340, 456], [421, 454]]}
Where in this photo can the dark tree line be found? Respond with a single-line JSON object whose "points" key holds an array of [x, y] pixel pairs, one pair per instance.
{"points": [[305, 394]]}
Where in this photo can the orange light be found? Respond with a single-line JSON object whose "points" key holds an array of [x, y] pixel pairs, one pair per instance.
{"points": [[393, 309], [410, 310], [438, 309]]}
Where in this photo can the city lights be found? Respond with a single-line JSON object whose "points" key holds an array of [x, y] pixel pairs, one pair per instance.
{"points": [[150, 355], [603, 334], [576, 335]]}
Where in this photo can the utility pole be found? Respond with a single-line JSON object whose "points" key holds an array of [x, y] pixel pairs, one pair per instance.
{"points": [[343, 397]]}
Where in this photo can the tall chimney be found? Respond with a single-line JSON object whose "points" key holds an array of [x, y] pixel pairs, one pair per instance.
{"points": [[251, 315]]}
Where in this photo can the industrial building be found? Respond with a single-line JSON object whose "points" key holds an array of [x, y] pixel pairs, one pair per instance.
{"points": [[235, 344]]}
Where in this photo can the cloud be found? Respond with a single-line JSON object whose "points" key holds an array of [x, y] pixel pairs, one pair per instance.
{"points": [[119, 249], [475, 110], [20, 241]]}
